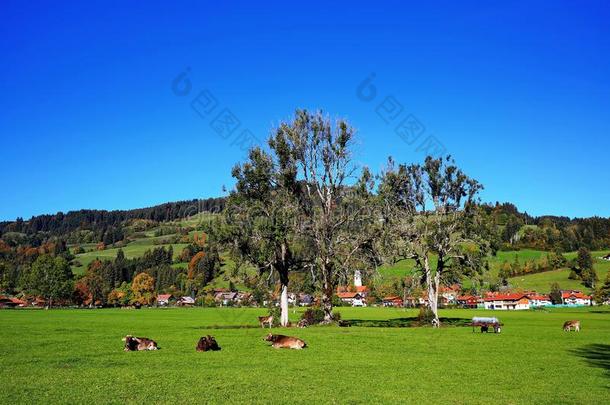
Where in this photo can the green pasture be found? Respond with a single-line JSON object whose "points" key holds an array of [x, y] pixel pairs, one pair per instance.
{"points": [[76, 356]]}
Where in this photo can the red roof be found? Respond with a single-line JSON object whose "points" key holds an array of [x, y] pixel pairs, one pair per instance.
{"points": [[18, 301], [467, 298], [392, 298], [575, 294], [539, 297], [362, 288], [451, 288], [347, 294], [163, 297], [505, 297]]}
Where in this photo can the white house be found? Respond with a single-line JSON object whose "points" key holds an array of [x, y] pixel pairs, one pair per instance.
{"points": [[163, 299], [573, 297], [449, 294], [507, 301], [353, 298], [539, 300]]}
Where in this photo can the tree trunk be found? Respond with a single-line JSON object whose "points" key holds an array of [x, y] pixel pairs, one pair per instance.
{"points": [[284, 305], [433, 302], [283, 273], [327, 303], [433, 286]]}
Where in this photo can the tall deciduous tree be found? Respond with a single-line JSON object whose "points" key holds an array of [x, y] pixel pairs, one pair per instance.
{"points": [[430, 215], [262, 215], [334, 197], [51, 278]]}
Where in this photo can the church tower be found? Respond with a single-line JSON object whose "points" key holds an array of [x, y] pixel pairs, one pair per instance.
{"points": [[357, 279]]}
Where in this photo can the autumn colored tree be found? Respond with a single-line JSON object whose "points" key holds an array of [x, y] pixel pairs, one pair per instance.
{"points": [[143, 288], [200, 239], [193, 264], [121, 295]]}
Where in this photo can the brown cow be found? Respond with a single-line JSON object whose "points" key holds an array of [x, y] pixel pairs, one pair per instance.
{"points": [[207, 343], [266, 320], [133, 344], [569, 325], [285, 342]]}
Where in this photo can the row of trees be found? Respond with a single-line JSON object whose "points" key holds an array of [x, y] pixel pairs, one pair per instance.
{"points": [[550, 261], [303, 204]]}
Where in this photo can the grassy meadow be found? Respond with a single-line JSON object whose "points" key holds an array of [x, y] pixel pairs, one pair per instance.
{"points": [[76, 356]]}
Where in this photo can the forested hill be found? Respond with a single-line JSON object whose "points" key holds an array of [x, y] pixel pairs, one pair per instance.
{"points": [[515, 229], [520, 230], [101, 221]]}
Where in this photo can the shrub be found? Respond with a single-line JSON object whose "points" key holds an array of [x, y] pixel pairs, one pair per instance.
{"points": [[425, 315], [313, 316], [276, 312]]}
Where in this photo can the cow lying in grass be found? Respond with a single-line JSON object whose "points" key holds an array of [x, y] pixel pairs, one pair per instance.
{"points": [[569, 325], [133, 344], [207, 343], [285, 342]]}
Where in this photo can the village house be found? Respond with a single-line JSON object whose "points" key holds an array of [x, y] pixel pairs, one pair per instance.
{"points": [[411, 301], [539, 300], [574, 297], [7, 302], [448, 295], [164, 299], [305, 300], [392, 301], [507, 301], [352, 298], [468, 301], [185, 301], [225, 297]]}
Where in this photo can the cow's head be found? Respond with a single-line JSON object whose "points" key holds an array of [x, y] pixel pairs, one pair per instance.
{"points": [[269, 338], [131, 344]]}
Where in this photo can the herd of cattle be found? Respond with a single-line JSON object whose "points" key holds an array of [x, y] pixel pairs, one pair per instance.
{"points": [[208, 343]]}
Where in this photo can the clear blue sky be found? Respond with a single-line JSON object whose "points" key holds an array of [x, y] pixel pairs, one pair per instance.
{"points": [[518, 93]]}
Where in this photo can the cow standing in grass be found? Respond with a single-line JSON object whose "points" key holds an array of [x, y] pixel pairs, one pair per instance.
{"points": [[266, 320], [569, 325]]}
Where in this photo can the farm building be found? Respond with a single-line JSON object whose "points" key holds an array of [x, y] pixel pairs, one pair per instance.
{"points": [[539, 300], [501, 301], [185, 301], [392, 301], [449, 294], [305, 300], [573, 297], [164, 299], [223, 298], [352, 298], [7, 302], [468, 301], [362, 290]]}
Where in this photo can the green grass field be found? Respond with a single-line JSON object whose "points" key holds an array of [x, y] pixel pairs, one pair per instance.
{"points": [[76, 356]]}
